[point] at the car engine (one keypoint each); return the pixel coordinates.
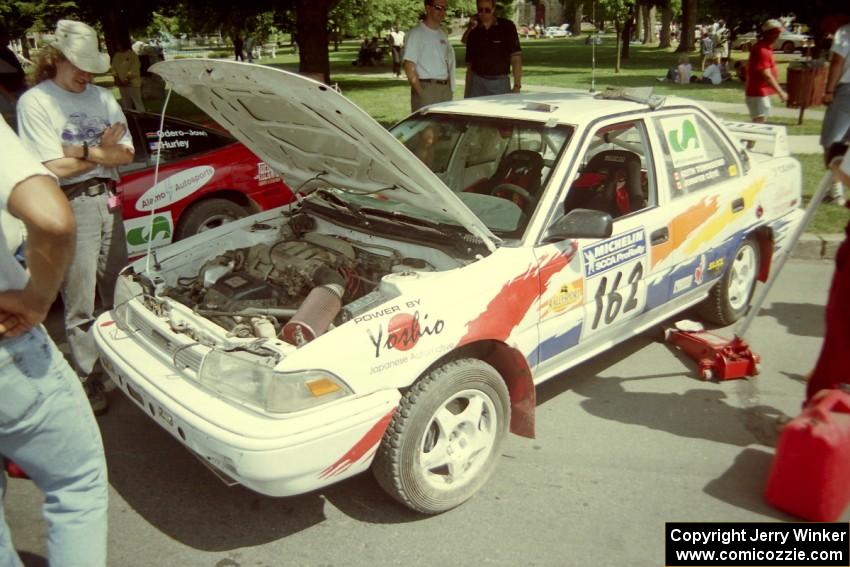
(293, 288)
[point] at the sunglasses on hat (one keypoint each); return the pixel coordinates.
(438, 7)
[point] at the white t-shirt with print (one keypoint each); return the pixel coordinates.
(430, 50)
(50, 117)
(16, 165)
(841, 46)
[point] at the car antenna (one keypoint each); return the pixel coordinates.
(155, 182)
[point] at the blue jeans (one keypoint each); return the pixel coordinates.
(48, 429)
(100, 254)
(836, 123)
(836, 120)
(486, 86)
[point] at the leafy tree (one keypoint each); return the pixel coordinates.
(366, 18)
(622, 13)
(21, 17)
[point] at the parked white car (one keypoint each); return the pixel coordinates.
(557, 31)
(399, 316)
(787, 42)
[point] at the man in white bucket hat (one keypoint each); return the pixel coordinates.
(78, 131)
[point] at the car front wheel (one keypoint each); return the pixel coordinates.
(443, 441)
(208, 214)
(729, 298)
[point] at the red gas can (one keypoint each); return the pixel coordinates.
(810, 476)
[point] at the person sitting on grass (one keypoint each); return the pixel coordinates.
(712, 74)
(684, 69)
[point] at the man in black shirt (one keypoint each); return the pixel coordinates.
(492, 51)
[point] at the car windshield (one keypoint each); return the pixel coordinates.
(499, 168)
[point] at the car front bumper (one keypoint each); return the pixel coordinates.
(277, 456)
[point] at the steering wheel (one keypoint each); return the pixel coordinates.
(515, 189)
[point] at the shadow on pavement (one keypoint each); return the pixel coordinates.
(801, 319)
(169, 487)
(179, 496)
(743, 484)
(698, 413)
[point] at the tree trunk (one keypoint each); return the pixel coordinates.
(312, 25)
(115, 30)
(648, 24)
(640, 27)
(628, 29)
(687, 38)
(618, 29)
(578, 13)
(666, 22)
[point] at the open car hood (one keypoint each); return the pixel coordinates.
(305, 129)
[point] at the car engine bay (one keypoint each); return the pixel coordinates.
(295, 287)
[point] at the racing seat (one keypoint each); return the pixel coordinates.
(610, 182)
(521, 169)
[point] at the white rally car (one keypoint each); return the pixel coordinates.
(399, 316)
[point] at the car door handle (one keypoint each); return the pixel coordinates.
(738, 205)
(660, 236)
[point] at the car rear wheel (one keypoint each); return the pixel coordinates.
(208, 214)
(788, 47)
(729, 298)
(443, 441)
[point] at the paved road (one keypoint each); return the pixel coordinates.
(625, 442)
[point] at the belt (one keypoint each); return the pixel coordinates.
(437, 81)
(89, 187)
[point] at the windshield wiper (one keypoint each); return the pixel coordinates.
(402, 217)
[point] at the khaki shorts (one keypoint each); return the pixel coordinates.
(758, 106)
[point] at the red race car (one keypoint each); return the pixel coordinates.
(206, 178)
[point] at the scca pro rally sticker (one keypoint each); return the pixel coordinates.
(615, 289)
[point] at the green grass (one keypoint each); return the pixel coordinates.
(828, 219)
(809, 127)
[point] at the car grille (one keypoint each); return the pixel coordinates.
(182, 355)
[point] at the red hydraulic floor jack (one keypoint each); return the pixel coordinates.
(719, 358)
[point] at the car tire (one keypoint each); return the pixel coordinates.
(208, 214)
(788, 47)
(445, 438)
(745, 47)
(730, 297)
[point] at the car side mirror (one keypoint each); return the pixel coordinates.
(581, 223)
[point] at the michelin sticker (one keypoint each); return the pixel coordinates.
(683, 139)
(157, 230)
(614, 252)
(615, 289)
(177, 187)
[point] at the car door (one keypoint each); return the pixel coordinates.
(708, 200)
(180, 142)
(593, 301)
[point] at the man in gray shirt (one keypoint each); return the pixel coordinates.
(429, 60)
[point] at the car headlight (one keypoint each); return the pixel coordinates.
(125, 290)
(246, 377)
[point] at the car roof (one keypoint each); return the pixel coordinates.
(575, 108)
